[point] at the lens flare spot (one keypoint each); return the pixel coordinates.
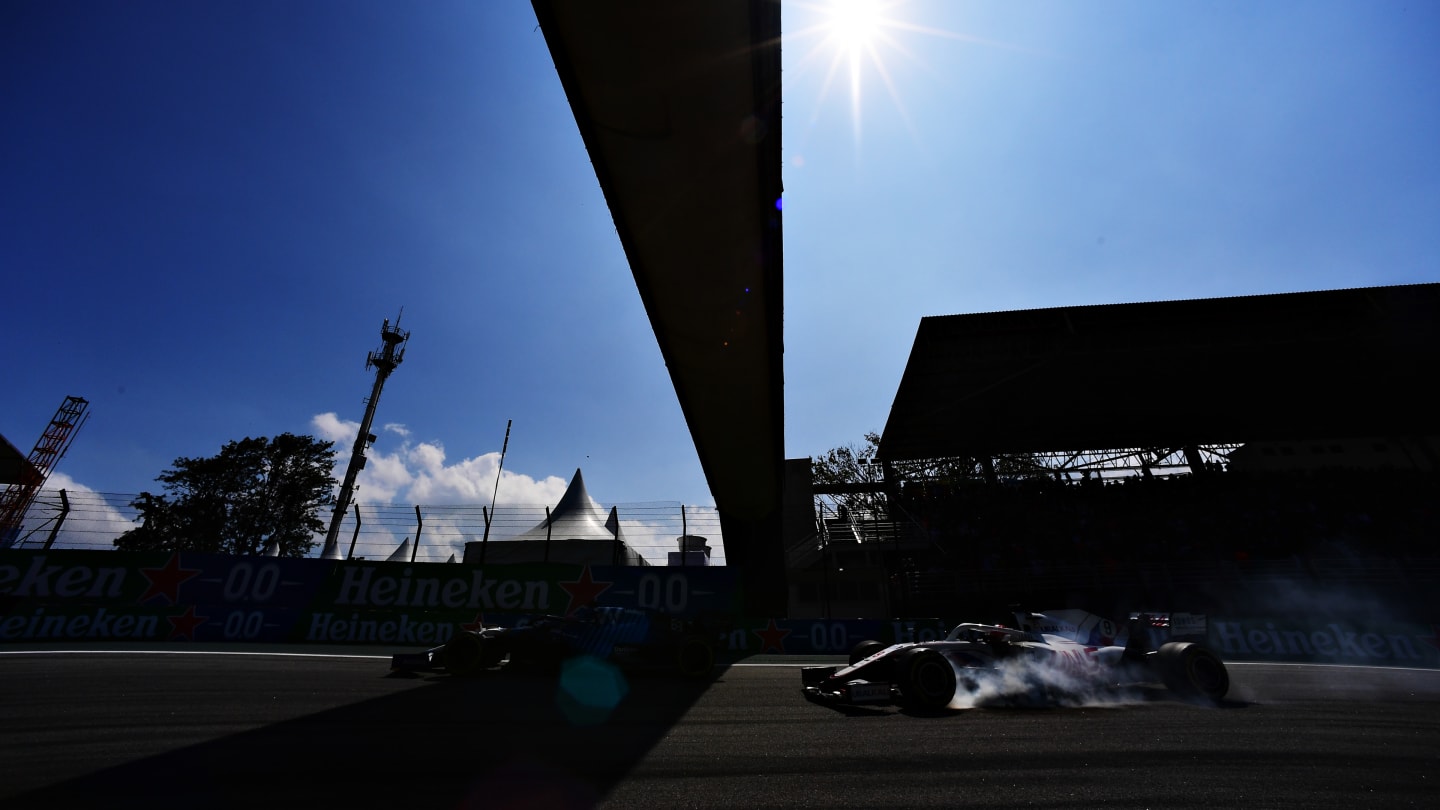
(590, 690)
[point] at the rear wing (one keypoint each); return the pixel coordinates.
(1148, 630)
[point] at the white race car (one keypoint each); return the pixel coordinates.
(1089, 651)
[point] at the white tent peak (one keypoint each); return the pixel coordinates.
(576, 498)
(578, 530)
(401, 554)
(576, 517)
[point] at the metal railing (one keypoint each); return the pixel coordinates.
(1315, 575)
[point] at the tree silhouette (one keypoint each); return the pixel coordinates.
(849, 466)
(253, 493)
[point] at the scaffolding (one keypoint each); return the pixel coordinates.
(54, 442)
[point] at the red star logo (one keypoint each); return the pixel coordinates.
(583, 591)
(183, 626)
(772, 637)
(1433, 641)
(166, 581)
(476, 624)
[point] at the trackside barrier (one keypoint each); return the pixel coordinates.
(1374, 641)
(85, 595)
(182, 596)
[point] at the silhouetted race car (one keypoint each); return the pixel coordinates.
(1046, 653)
(631, 638)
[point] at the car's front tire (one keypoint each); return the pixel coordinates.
(926, 679)
(865, 649)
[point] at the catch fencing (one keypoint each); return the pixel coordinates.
(84, 519)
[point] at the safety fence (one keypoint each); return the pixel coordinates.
(83, 519)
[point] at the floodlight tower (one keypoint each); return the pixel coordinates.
(384, 361)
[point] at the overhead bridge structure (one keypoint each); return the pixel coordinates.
(679, 107)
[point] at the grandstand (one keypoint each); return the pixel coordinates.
(14, 468)
(1148, 453)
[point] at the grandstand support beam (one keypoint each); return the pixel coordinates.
(1194, 460)
(758, 538)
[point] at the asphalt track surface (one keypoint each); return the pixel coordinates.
(125, 729)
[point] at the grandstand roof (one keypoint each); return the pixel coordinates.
(1340, 363)
(14, 466)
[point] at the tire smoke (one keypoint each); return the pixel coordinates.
(1041, 683)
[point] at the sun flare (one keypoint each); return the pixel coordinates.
(855, 42)
(851, 34)
(854, 24)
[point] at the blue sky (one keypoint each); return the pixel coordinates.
(209, 208)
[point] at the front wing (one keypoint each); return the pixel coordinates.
(818, 686)
(428, 661)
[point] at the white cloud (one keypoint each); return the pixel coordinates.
(334, 429)
(418, 472)
(396, 478)
(93, 522)
(384, 478)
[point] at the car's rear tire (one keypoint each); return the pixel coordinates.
(467, 653)
(925, 677)
(865, 649)
(695, 658)
(1192, 671)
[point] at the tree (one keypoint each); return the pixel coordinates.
(850, 478)
(253, 493)
(848, 468)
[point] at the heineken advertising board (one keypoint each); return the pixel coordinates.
(172, 596)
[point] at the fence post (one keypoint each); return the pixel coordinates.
(356, 535)
(59, 519)
(548, 528)
(484, 538)
(615, 557)
(419, 527)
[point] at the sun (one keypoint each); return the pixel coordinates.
(855, 24)
(851, 35)
(852, 40)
